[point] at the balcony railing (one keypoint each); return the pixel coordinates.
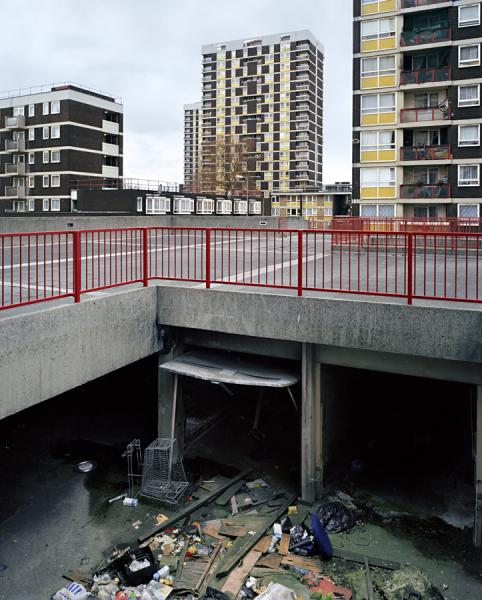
(15, 169)
(17, 122)
(425, 75)
(15, 145)
(15, 191)
(441, 152)
(422, 115)
(414, 38)
(415, 3)
(414, 191)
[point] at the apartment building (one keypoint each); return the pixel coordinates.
(262, 107)
(417, 113)
(192, 146)
(51, 137)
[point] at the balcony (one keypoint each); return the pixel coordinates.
(422, 115)
(302, 156)
(14, 145)
(301, 165)
(110, 149)
(416, 3)
(302, 67)
(108, 171)
(302, 106)
(303, 175)
(300, 97)
(17, 122)
(414, 191)
(425, 152)
(12, 191)
(429, 36)
(419, 76)
(110, 127)
(15, 169)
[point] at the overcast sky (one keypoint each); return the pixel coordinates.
(149, 53)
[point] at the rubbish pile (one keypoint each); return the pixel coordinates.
(240, 539)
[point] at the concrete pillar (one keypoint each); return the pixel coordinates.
(311, 425)
(165, 391)
(478, 468)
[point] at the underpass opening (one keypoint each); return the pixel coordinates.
(401, 444)
(241, 412)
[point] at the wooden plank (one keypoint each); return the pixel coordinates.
(284, 544)
(235, 580)
(226, 496)
(371, 594)
(360, 558)
(213, 531)
(303, 562)
(192, 507)
(233, 530)
(270, 561)
(251, 541)
(263, 544)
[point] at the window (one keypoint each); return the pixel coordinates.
(55, 109)
(45, 133)
(31, 110)
(31, 204)
(377, 177)
(157, 205)
(469, 15)
(224, 207)
(31, 158)
(381, 65)
(45, 181)
(55, 131)
(469, 135)
(425, 211)
(377, 210)
(468, 175)
(55, 156)
(31, 135)
(45, 204)
(377, 140)
(139, 203)
(55, 204)
(426, 100)
(18, 111)
(377, 103)
(468, 211)
(45, 108)
(31, 181)
(45, 156)
(469, 95)
(377, 28)
(240, 207)
(183, 205)
(55, 181)
(469, 56)
(205, 206)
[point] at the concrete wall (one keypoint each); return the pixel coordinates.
(45, 353)
(76, 221)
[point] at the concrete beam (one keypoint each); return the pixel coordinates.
(45, 353)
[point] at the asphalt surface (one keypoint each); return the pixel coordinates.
(32, 269)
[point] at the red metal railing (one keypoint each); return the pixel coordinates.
(429, 191)
(409, 224)
(412, 38)
(441, 152)
(416, 115)
(352, 259)
(431, 75)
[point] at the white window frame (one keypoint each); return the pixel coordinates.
(31, 158)
(183, 206)
(19, 111)
(378, 182)
(31, 134)
(55, 107)
(205, 206)
(463, 64)
(377, 147)
(45, 108)
(53, 154)
(55, 204)
(378, 72)
(45, 157)
(45, 179)
(31, 110)
(45, 133)
(31, 181)
(468, 182)
(45, 204)
(224, 207)
(139, 204)
(461, 104)
(469, 23)
(157, 205)
(54, 130)
(378, 35)
(55, 181)
(377, 210)
(31, 204)
(240, 207)
(477, 207)
(476, 141)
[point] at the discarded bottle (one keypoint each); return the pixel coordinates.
(161, 574)
(130, 502)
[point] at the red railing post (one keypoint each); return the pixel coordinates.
(208, 258)
(300, 262)
(145, 256)
(77, 282)
(409, 267)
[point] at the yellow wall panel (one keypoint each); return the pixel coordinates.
(387, 192)
(387, 118)
(369, 9)
(369, 119)
(369, 82)
(387, 43)
(387, 155)
(377, 192)
(369, 155)
(387, 5)
(387, 81)
(369, 46)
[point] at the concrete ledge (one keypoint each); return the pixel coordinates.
(441, 333)
(48, 352)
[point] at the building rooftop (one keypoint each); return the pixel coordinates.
(55, 87)
(294, 36)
